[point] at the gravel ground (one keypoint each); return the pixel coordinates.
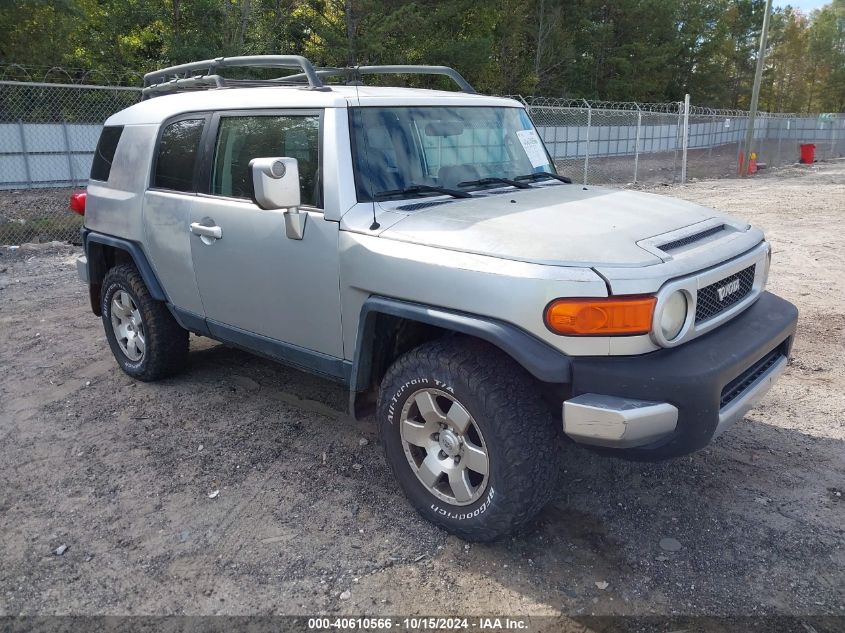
(308, 519)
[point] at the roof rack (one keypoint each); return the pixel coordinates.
(187, 77)
(177, 78)
(353, 74)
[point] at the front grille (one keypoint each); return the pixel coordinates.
(738, 385)
(710, 303)
(689, 239)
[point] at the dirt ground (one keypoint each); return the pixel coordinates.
(308, 519)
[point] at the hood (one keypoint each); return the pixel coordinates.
(565, 225)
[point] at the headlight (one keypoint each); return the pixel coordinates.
(674, 315)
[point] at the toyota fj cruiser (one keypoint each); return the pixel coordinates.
(420, 247)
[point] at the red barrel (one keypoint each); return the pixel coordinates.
(808, 153)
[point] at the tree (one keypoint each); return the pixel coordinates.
(548, 17)
(37, 33)
(785, 79)
(826, 52)
(644, 50)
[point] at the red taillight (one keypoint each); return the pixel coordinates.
(77, 202)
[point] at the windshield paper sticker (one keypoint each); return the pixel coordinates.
(533, 147)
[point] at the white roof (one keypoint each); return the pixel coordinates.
(158, 109)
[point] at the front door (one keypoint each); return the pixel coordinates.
(253, 279)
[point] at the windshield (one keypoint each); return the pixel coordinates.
(404, 152)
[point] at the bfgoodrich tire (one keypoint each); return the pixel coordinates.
(468, 437)
(144, 337)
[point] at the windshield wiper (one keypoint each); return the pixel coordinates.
(543, 175)
(412, 189)
(494, 180)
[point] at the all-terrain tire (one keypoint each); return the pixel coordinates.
(518, 431)
(165, 342)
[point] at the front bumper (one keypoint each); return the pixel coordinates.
(674, 401)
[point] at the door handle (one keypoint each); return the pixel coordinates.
(214, 232)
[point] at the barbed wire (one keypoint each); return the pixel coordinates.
(672, 107)
(622, 106)
(10, 71)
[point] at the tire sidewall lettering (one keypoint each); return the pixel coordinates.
(107, 296)
(399, 395)
(465, 516)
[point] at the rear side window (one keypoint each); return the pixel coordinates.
(177, 155)
(104, 154)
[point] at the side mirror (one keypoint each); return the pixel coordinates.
(275, 183)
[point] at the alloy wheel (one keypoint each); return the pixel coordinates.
(444, 446)
(128, 326)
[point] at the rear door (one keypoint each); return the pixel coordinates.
(167, 209)
(256, 284)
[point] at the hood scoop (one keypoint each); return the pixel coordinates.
(675, 244)
(692, 239)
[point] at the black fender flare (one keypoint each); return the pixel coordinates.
(97, 265)
(537, 357)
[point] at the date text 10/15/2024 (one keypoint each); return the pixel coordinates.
(419, 623)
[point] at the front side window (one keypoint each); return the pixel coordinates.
(177, 155)
(242, 138)
(398, 148)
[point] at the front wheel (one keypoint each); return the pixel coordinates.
(468, 437)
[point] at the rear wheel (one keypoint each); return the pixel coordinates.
(145, 339)
(468, 437)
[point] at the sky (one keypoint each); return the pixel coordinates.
(804, 5)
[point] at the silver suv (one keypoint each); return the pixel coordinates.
(419, 247)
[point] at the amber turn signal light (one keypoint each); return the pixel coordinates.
(612, 316)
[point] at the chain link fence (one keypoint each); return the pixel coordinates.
(48, 134)
(628, 143)
(49, 131)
